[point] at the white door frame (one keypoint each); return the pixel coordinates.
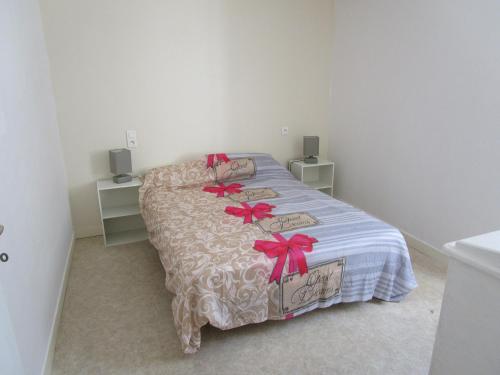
(10, 360)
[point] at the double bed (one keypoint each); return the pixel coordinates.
(230, 266)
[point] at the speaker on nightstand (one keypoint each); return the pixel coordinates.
(120, 164)
(311, 149)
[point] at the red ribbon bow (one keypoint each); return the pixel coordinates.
(260, 211)
(293, 248)
(221, 189)
(213, 158)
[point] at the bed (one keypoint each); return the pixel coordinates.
(227, 267)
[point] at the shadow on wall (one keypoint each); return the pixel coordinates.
(99, 163)
(84, 197)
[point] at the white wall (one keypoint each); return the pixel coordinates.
(416, 113)
(34, 203)
(190, 76)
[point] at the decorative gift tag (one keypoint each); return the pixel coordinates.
(235, 169)
(283, 223)
(255, 194)
(320, 284)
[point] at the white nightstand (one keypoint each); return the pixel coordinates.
(318, 176)
(120, 215)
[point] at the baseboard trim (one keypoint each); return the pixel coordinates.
(425, 248)
(49, 357)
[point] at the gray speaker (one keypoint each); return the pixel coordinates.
(311, 149)
(120, 164)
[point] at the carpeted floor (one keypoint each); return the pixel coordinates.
(117, 320)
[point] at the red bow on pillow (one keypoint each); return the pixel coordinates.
(213, 159)
(221, 189)
(260, 211)
(294, 249)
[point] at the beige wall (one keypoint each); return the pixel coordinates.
(416, 115)
(190, 76)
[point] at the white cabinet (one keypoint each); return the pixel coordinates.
(319, 176)
(120, 214)
(468, 335)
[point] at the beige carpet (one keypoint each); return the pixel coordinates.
(117, 320)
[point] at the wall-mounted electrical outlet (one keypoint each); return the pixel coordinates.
(131, 139)
(284, 131)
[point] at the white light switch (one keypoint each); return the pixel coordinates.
(284, 131)
(131, 139)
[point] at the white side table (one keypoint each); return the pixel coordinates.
(319, 176)
(120, 214)
(468, 333)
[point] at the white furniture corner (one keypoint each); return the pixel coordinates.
(318, 176)
(468, 334)
(120, 214)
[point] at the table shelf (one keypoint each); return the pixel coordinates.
(120, 212)
(318, 176)
(128, 236)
